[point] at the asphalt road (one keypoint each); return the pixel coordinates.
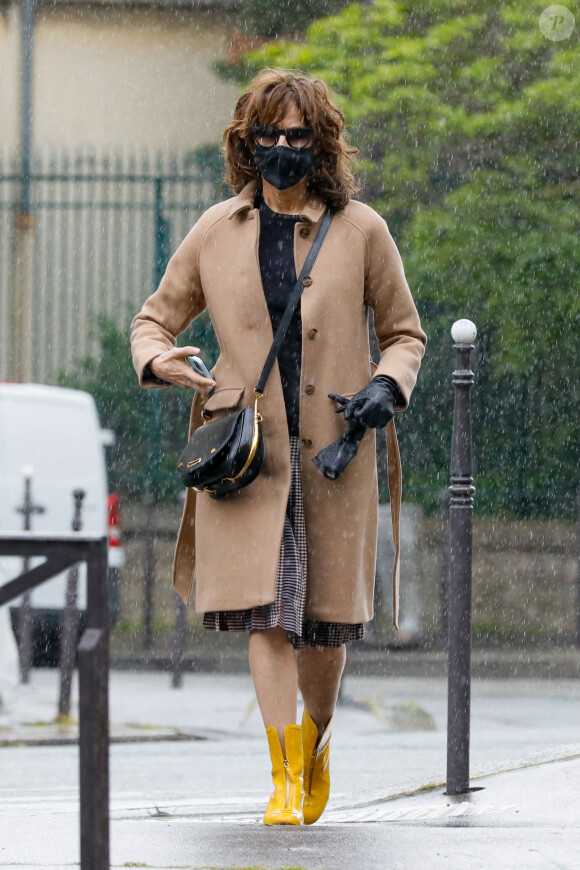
(197, 802)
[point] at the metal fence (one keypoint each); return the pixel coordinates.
(102, 228)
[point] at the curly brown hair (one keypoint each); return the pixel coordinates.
(266, 101)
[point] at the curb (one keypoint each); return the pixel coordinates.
(485, 664)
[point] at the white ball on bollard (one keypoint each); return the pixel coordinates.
(463, 331)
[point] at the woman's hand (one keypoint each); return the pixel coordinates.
(374, 406)
(172, 368)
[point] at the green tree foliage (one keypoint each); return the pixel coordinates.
(273, 19)
(467, 120)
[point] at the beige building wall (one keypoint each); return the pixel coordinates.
(118, 77)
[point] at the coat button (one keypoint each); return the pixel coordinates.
(306, 442)
(312, 333)
(307, 281)
(304, 232)
(309, 389)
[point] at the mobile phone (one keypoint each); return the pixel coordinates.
(199, 366)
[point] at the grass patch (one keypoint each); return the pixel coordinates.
(495, 631)
(135, 626)
(65, 719)
(411, 717)
(159, 814)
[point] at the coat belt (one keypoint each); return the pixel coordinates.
(395, 477)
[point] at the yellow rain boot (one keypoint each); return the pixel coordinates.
(316, 768)
(285, 806)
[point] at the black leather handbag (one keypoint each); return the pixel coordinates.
(227, 454)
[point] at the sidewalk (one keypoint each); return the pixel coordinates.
(196, 800)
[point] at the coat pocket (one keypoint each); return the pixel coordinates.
(223, 400)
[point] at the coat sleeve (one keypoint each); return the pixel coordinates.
(178, 300)
(400, 337)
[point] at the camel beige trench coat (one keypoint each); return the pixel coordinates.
(231, 546)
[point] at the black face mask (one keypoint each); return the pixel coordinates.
(283, 167)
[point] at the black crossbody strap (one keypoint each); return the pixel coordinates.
(293, 301)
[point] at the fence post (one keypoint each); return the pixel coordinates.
(70, 622)
(178, 643)
(149, 570)
(161, 257)
(22, 308)
(460, 566)
(162, 236)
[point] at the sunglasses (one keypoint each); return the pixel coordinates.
(296, 137)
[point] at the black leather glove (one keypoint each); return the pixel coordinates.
(332, 460)
(372, 407)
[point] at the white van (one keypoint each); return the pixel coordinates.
(53, 436)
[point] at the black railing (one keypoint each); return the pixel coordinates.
(60, 553)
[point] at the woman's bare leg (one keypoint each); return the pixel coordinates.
(319, 672)
(273, 667)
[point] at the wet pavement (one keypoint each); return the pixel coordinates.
(192, 792)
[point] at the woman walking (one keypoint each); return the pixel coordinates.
(291, 557)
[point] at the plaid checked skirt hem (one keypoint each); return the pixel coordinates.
(287, 611)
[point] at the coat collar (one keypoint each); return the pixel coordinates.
(244, 201)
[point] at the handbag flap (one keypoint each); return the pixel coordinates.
(213, 451)
(209, 440)
(222, 399)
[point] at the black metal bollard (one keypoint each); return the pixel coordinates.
(70, 622)
(460, 566)
(28, 509)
